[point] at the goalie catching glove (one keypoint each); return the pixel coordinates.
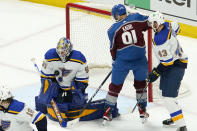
(153, 75)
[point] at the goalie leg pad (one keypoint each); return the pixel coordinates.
(99, 107)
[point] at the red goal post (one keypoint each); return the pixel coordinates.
(89, 9)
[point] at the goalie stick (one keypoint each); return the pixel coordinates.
(58, 115)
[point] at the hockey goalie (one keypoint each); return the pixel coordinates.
(64, 79)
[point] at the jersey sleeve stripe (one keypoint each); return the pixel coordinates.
(178, 30)
(47, 75)
(13, 112)
(169, 34)
(84, 80)
(54, 59)
(75, 60)
(38, 117)
(154, 42)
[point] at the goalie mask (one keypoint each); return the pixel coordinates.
(64, 48)
(5, 93)
(156, 17)
(117, 11)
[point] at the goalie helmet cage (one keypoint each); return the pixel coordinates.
(106, 13)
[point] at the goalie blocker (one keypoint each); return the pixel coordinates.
(70, 105)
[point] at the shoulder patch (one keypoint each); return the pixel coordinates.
(51, 55)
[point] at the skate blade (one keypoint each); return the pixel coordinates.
(144, 121)
(104, 122)
(169, 126)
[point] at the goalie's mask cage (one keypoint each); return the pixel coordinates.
(86, 27)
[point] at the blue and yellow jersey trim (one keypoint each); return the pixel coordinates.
(42, 74)
(178, 30)
(167, 62)
(51, 55)
(53, 59)
(78, 57)
(184, 60)
(15, 107)
(78, 61)
(177, 115)
(65, 88)
(164, 35)
(38, 117)
(84, 80)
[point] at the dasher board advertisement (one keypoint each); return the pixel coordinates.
(181, 8)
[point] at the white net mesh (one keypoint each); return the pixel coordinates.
(88, 33)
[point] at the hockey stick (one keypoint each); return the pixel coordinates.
(140, 97)
(58, 114)
(33, 60)
(55, 108)
(84, 107)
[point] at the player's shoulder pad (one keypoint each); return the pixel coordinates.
(51, 55)
(164, 35)
(137, 17)
(78, 57)
(141, 17)
(16, 107)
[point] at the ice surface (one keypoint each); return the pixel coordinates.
(27, 30)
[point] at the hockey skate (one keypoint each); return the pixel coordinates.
(168, 122)
(183, 128)
(107, 115)
(143, 115)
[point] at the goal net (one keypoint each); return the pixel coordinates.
(86, 27)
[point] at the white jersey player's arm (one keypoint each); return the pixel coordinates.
(30, 115)
(82, 74)
(47, 69)
(176, 27)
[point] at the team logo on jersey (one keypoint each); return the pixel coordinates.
(5, 125)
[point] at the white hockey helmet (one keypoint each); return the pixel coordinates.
(156, 17)
(5, 93)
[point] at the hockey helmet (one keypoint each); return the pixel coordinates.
(156, 17)
(64, 48)
(117, 11)
(5, 93)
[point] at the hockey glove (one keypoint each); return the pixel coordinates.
(153, 75)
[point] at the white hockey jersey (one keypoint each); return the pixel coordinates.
(18, 117)
(74, 69)
(166, 46)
